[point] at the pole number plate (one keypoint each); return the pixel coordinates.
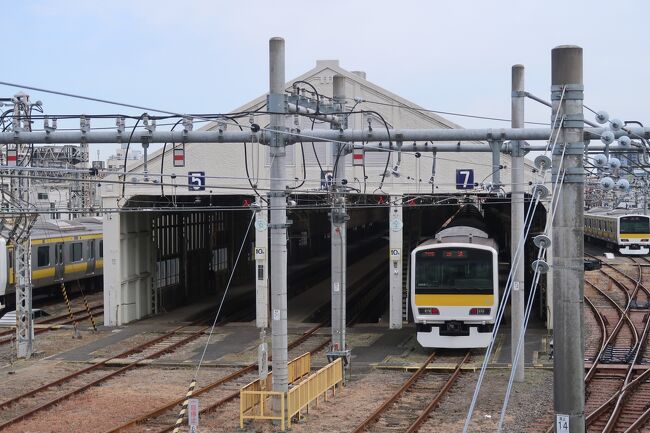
(196, 180)
(562, 423)
(465, 178)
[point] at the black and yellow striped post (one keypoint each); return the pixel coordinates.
(64, 292)
(183, 412)
(92, 319)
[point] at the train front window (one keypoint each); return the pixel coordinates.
(453, 270)
(634, 225)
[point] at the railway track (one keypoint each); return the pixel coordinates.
(410, 406)
(213, 395)
(48, 395)
(219, 392)
(616, 382)
(55, 322)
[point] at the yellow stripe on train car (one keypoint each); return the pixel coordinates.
(43, 273)
(76, 267)
(636, 236)
(99, 263)
(95, 236)
(453, 300)
(52, 240)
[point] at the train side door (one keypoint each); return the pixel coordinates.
(91, 257)
(58, 261)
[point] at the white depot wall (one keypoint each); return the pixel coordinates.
(223, 164)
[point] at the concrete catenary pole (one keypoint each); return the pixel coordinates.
(517, 218)
(278, 226)
(568, 240)
(338, 227)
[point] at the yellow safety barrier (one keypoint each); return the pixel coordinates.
(311, 389)
(299, 367)
(254, 398)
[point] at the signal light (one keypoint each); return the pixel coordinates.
(430, 311)
(479, 311)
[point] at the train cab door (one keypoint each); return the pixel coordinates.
(90, 270)
(59, 266)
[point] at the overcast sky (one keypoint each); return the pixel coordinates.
(212, 56)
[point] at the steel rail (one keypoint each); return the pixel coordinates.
(51, 319)
(49, 327)
(90, 368)
(235, 394)
(250, 367)
(415, 426)
(623, 317)
(359, 286)
(381, 409)
(88, 385)
(618, 408)
(603, 336)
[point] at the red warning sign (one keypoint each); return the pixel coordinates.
(179, 157)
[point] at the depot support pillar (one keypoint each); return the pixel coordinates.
(568, 235)
(395, 240)
(278, 226)
(517, 219)
(338, 227)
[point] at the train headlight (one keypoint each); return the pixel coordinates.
(479, 311)
(429, 311)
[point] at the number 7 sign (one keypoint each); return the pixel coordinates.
(465, 178)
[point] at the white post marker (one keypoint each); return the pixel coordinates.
(562, 423)
(193, 414)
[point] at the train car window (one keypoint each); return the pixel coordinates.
(43, 256)
(635, 225)
(76, 252)
(91, 250)
(101, 248)
(454, 270)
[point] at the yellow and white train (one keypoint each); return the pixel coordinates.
(455, 284)
(628, 233)
(62, 252)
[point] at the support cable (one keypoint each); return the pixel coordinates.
(508, 287)
(533, 289)
(193, 382)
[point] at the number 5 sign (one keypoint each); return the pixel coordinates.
(465, 178)
(196, 180)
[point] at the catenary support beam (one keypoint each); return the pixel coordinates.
(265, 136)
(517, 219)
(568, 241)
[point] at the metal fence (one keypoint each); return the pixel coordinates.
(256, 398)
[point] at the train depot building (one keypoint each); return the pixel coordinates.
(198, 196)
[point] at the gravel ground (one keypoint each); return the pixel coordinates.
(48, 344)
(116, 401)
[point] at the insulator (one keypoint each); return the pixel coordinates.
(542, 162)
(542, 241)
(602, 117)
